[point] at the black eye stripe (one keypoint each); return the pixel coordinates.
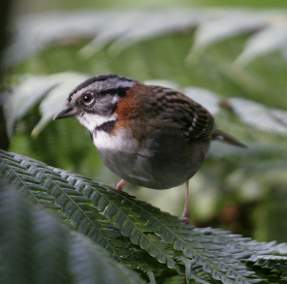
(120, 91)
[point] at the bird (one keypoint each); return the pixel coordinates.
(150, 136)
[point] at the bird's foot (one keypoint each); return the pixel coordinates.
(185, 214)
(185, 217)
(121, 185)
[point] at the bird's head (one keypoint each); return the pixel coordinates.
(94, 102)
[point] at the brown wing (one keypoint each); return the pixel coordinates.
(171, 107)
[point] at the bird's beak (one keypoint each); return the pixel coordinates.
(69, 111)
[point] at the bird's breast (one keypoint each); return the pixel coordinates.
(119, 140)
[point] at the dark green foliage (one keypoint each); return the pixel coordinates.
(139, 235)
(36, 248)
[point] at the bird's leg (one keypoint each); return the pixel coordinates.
(120, 185)
(185, 214)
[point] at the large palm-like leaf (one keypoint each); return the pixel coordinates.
(267, 29)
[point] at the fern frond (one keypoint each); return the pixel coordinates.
(111, 206)
(204, 253)
(46, 187)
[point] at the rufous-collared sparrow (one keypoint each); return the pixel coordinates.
(148, 135)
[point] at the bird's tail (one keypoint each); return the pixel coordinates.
(226, 138)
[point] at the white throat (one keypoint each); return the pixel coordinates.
(91, 121)
(121, 140)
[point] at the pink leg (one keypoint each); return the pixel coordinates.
(185, 214)
(120, 185)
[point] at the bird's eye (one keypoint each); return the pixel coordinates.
(88, 99)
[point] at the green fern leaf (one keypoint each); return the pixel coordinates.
(45, 187)
(204, 253)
